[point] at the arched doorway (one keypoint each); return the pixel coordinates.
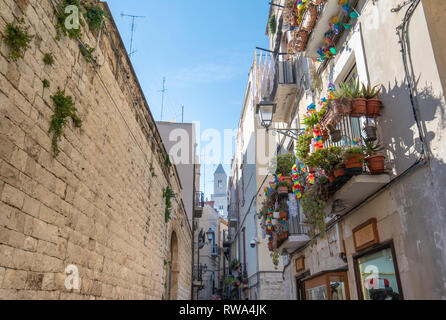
(174, 270)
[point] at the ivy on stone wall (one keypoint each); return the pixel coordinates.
(168, 194)
(17, 39)
(64, 108)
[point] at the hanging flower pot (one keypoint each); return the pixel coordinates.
(370, 133)
(335, 135)
(282, 190)
(376, 163)
(359, 107)
(373, 107)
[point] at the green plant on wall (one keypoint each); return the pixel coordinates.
(94, 16)
(285, 163)
(167, 162)
(48, 59)
(63, 109)
(272, 24)
(46, 83)
(168, 194)
(62, 17)
(275, 258)
(313, 209)
(86, 51)
(18, 40)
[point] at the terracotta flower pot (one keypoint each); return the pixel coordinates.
(338, 172)
(373, 108)
(287, 179)
(285, 235)
(359, 107)
(282, 190)
(356, 161)
(376, 163)
(283, 215)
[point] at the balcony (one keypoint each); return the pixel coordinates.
(286, 90)
(198, 204)
(297, 236)
(357, 189)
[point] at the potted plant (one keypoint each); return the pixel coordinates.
(283, 208)
(282, 188)
(354, 158)
(276, 214)
(338, 170)
(359, 103)
(341, 102)
(375, 161)
(284, 166)
(373, 107)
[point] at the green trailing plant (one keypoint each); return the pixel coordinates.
(303, 146)
(63, 109)
(275, 258)
(370, 92)
(313, 209)
(62, 17)
(168, 194)
(48, 59)
(272, 24)
(18, 40)
(87, 52)
(167, 162)
(230, 280)
(94, 16)
(46, 83)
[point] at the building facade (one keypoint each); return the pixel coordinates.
(384, 232)
(220, 191)
(97, 210)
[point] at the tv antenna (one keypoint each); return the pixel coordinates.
(162, 97)
(131, 52)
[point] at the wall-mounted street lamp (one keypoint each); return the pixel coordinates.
(210, 235)
(265, 110)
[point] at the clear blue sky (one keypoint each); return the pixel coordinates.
(204, 48)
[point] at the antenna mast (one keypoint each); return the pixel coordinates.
(162, 97)
(131, 52)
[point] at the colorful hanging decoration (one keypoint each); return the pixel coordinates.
(336, 27)
(356, 142)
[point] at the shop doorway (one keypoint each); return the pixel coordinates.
(300, 287)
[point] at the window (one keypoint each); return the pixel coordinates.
(330, 285)
(220, 184)
(377, 274)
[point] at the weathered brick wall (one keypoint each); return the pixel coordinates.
(97, 205)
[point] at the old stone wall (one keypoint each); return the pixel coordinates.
(99, 205)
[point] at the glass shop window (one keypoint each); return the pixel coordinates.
(328, 286)
(379, 280)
